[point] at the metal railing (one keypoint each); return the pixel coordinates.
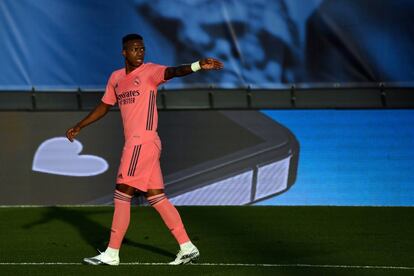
(213, 98)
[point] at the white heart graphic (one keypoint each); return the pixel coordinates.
(59, 156)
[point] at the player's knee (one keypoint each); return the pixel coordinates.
(153, 192)
(125, 189)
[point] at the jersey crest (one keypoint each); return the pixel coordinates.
(137, 81)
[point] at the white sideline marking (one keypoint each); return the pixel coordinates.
(253, 206)
(237, 264)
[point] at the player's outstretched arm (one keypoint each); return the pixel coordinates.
(186, 69)
(100, 110)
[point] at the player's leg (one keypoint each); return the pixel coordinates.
(122, 210)
(120, 222)
(172, 219)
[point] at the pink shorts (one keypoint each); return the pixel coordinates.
(140, 166)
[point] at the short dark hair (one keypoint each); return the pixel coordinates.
(130, 37)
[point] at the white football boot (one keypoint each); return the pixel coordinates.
(186, 256)
(102, 259)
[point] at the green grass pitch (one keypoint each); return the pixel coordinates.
(232, 241)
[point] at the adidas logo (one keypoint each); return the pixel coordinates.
(187, 256)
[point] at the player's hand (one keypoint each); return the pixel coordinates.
(211, 64)
(72, 132)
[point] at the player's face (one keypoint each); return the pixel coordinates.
(134, 52)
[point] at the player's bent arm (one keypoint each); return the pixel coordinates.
(97, 113)
(186, 69)
(178, 71)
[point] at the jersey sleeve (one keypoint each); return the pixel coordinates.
(110, 97)
(158, 73)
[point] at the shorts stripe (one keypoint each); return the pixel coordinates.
(134, 160)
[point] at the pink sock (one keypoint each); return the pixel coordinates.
(170, 216)
(120, 221)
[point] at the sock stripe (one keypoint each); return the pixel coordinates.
(121, 196)
(155, 196)
(154, 201)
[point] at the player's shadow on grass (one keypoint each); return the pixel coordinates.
(93, 232)
(258, 234)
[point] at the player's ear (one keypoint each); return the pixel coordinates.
(124, 53)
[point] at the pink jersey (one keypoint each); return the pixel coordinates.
(136, 96)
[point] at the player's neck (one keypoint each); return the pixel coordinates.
(129, 68)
